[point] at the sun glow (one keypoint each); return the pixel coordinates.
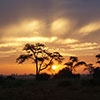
(54, 67)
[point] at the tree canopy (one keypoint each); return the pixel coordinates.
(39, 54)
(73, 63)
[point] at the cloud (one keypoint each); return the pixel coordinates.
(90, 28)
(67, 24)
(84, 46)
(29, 28)
(66, 41)
(6, 50)
(61, 26)
(20, 40)
(14, 11)
(50, 11)
(79, 49)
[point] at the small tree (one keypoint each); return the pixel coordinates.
(40, 56)
(98, 58)
(90, 68)
(96, 73)
(73, 63)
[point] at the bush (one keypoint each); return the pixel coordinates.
(64, 73)
(10, 78)
(96, 74)
(1, 78)
(43, 76)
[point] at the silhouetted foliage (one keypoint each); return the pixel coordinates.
(73, 59)
(98, 62)
(1, 78)
(43, 76)
(96, 73)
(73, 63)
(39, 55)
(64, 73)
(98, 58)
(76, 75)
(90, 68)
(10, 78)
(80, 63)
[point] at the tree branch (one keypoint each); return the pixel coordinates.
(46, 65)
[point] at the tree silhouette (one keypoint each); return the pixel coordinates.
(39, 55)
(64, 73)
(90, 68)
(98, 58)
(73, 63)
(96, 73)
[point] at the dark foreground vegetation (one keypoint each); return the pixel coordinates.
(62, 86)
(52, 89)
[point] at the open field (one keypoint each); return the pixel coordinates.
(71, 89)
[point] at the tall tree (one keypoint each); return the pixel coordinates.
(73, 63)
(39, 55)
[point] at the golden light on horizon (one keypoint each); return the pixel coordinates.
(54, 67)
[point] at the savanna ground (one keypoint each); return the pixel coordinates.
(62, 89)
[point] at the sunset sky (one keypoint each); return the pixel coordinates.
(71, 27)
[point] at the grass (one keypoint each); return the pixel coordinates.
(67, 89)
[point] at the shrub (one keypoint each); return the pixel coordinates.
(1, 78)
(96, 74)
(10, 78)
(43, 76)
(64, 73)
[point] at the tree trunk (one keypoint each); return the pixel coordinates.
(37, 70)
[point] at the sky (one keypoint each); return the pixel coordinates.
(71, 27)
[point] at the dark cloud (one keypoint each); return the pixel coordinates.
(15, 10)
(81, 11)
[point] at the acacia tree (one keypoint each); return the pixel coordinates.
(39, 55)
(90, 68)
(73, 63)
(98, 58)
